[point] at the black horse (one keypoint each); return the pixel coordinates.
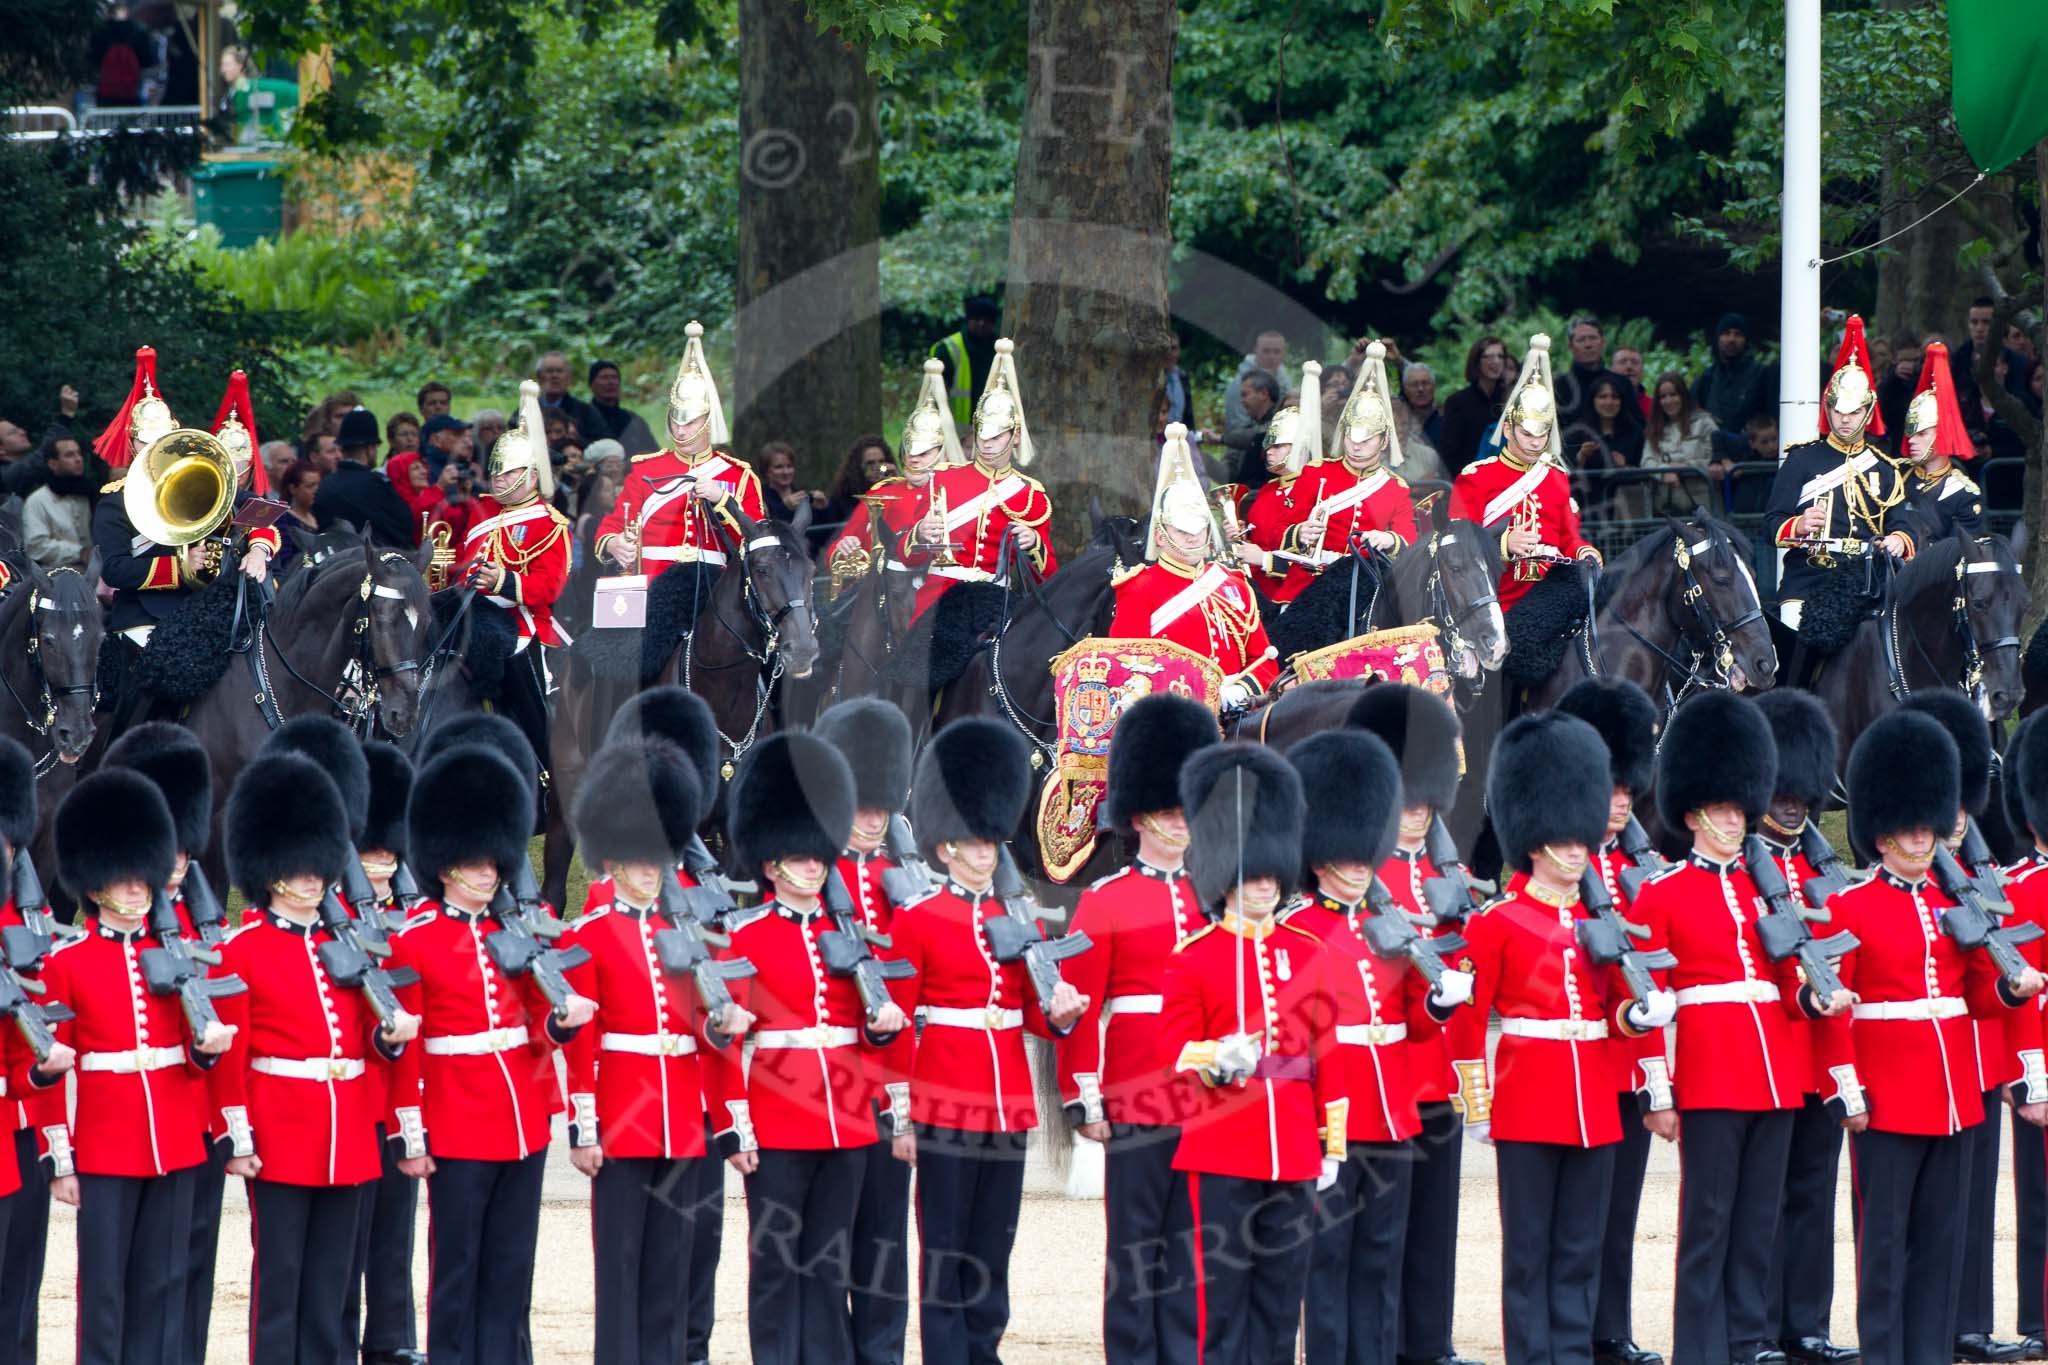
(752, 626)
(51, 628)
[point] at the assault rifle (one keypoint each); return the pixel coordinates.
(684, 948)
(202, 907)
(364, 904)
(1450, 896)
(1985, 874)
(1017, 936)
(1829, 877)
(1974, 925)
(1392, 935)
(1647, 861)
(848, 950)
(525, 929)
(405, 889)
(33, 905)
(176, 967)
(1784, 931)
(911, 880)
(352, 955)
(23, 946)
(1605, 937)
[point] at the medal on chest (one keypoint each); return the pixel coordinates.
(1283, 965)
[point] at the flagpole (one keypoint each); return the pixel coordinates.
(1799, 233)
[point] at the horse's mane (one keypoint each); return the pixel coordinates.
(1933, 567)
(299, 586)
(1488, 543)
(1624, 566)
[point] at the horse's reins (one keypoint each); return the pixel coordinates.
(1715, 647)
(768, 657)
(48, 694)
(359, 674)
(1972, 680)
(1440, 608)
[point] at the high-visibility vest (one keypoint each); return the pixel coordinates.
(953, 350)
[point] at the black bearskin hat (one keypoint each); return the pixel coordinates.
(1626, 720)
(638, 803)
(1549, 783)
(391, 775)
(1718, 747)
(1146, 750)
(339, 753)
(467, 804)
(1966, 725)
(1245, 812)
(973, 782)
(114, 825)
(17, 794)
(2026, 772)
(487, 730)
(1422, 731)
(172, 757)
(684, 719)
(1903, 773)
(284, 818)
(1353, 789)
(1807, 744)
(874, 738)
(791, 798)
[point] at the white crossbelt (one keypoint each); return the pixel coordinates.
(987, 500)
(1729, 993)
(1556, 1030)
(1371, 1035)
(673, 553)
(819, 1036)
(992, 1020)
(962, 574)
(483, 1044)
(1188, 598)
(1512, 495)
(309, 1068)
(648, 1044)
(1946, 1007)
(133, 1060)
(1848, 469)
(1132, 1004)
(1352, 496)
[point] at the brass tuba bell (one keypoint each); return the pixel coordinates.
(181, 489)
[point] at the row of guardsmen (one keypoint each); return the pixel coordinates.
(1281, 1066)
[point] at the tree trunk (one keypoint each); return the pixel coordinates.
(2035, 489)
(1921, 284)
(1089, 241)
(808, 368)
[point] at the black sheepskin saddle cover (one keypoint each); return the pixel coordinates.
(484, 643)
(1541, 625)
(188, 651)
(638, 656)
(1316, 618)
(940, 644)
(1835, 608)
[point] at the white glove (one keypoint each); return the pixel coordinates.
(1237, 1056)
(1453, 990)
(1331, 1165)
(1236, 696)
(1480, 1132)
(1660, 1009)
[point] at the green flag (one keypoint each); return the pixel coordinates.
(1998, 52)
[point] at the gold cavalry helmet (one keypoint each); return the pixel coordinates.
(524, 445)
(144, 419)
(695, 392)
(1533, 404)
(1369, 411)
(1178, 498)
(1001, 407)
(930, 426)
(1299, 426)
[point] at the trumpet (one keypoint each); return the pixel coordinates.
(1821, 550)
(942, 552)
(1528, 569)
(443, 560)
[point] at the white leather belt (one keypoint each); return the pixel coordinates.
(1729, 993)
(683, 554)
(133, 1060)
(1372, 1035)
(648, 1044)
(1946, 1007)
(1556, 1030)
(309, 1068)
(476, 1044)
(962, 574)
(819, 1036)
(1132, 1004)
(989, 1019)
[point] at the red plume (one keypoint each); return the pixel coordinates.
(1951, 437)
(1854, 348)
(235, 403)
(114, 444)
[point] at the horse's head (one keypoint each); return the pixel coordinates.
(1465, 594)
(1725, 618)
(1125, 535)
(1993, 593)
(398, 619)
(65, 629)
(776, 569)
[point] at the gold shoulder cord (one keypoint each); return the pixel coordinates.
(1870, 509)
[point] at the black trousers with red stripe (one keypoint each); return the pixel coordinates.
(2030, 1209)
(800, 1205)
(640, 1237)
(707, 1232)
(483, 1226)
(970, 1187)
(134, 1238)
(1732, 1164)
(1973, 1284)
(1248, 1258)
(27, 1219)
(1429, 1253)
(1910, 1192)
(209, 1184)
(305, 1238)
(380, 1292)
(1553, 1213)
(1148, 1315)
(1354, 1269)
(1803, 1262)
(1613, 1316)
(881, 1259)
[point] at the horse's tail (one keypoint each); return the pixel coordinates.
(1055, 1129)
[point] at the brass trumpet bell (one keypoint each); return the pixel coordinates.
(181, 488)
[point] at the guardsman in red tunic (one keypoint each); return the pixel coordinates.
(1802, 1293)
(1737, 1070)
(1357, 497)
(2026, 886)
(1549, 1109)
(975, 507)
(1294, 447)
(1423, 733)
(889, 512)
(795, 1112)
(1523, 493)
(1627, 722)
(1353, 786)
(467, 1101)
(636, 1091)
(874, 738)
(1910, 1049)
(971, 1101)
(687, 504)
(1189, 591)
(1115, 1089)
(138, 1130)
(296, 1093)
(1249, 1032)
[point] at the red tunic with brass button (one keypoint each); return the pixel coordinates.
(1527, 965)
(141, 1090)
(981, 507)
(476, 1065)
(1277, 1126)
(1209, 609)
(1803, 1042)
(661, 496)
(802, 1073)
(27, 1106)
(1626, 1052)
(1282, 504)
(1491, 491)
(1736, 1007)
(862, 873)
(1134, 920)
(899, 505)
(1917, 1070)
(1383, 505)
(317, 1125)
(531, 543)
(970, 1070)
(2026, 887)
(1429, 1056)
(633, 1071)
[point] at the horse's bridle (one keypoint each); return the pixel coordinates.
(1454, 641)
(41, 723)
(1972, 681)
(768, 657)
(1707, 634)
(354, 695)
